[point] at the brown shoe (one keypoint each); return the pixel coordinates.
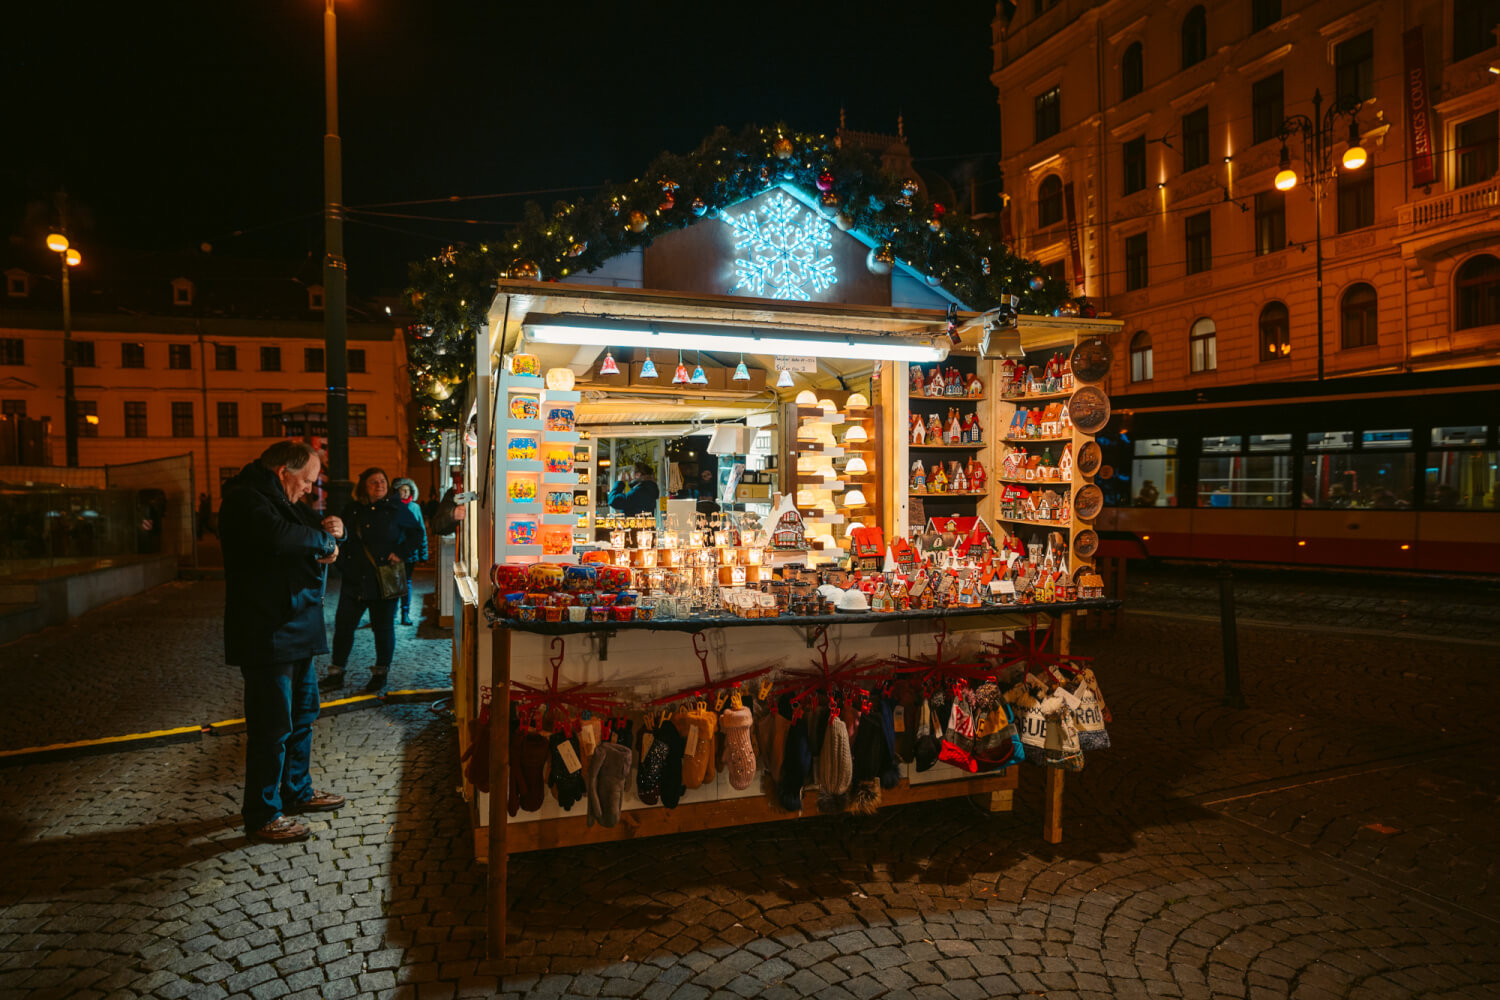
(281, 830)
(318, 802)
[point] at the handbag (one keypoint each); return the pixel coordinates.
(390, 577)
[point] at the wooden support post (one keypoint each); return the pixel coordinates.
(499, 785)
(1052, 795)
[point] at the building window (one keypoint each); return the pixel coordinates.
(1132, 71)
(1140, 357)
(12, 407)
(270, 359)
(17, 284)
(1203, 352)
(179, 356)
(229, 419)
(1195, 139)
(359, 423)
(1356, 190)
(1267, 110)
(132, 355)
(1264, 13)
(1136, 265)
(1048, 114)
(1134, 159)
(226, 357)
(1200, 245)
(1270, 222)
(315, 297)
(1354, 67)
(1275, 332)
(135, 419)
(182, 420)
(83, 353)
(182, 292)
(1194, 37)
(1477, 289)
(1358, 311)
(87, 414)
(1474, 26)
(1049, 201)
(1475, 149)
(270, 420)
(12, 351)
(1038, 7)
(356, 361)
(1056, 271)
(312, 359)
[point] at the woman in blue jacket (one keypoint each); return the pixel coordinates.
(378, 528)
(409, 495)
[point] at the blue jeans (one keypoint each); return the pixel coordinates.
(352, 608)
(406, 597)
(281, 704)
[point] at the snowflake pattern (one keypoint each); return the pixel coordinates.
(784, 255)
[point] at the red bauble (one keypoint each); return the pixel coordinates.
(825, 180)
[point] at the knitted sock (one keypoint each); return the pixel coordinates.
(534, 753)
(795, 763)
(671, 770)
(566, 774)
(739, 754)
(608, 769)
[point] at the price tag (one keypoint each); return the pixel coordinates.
(569, 757)
(588, 739)
(692, 742)
(900, 718)
(1070, 699)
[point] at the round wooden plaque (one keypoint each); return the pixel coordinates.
(1090, 458)
(1089, 408)
(1091, 359)
(1085, 543)
(1088, 502)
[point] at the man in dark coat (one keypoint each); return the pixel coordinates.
(275, 558)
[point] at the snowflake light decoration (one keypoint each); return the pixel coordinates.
(784, 254)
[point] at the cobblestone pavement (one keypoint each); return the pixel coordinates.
(1334, 839)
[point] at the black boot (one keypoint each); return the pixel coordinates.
(377, 682)
(405, 618)
(333, 681)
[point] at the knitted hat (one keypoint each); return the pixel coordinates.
(608, 768)
(835, 767)
(739, 754)
(795, 763)
(566, 773)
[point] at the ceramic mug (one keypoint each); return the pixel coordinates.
(577, 614)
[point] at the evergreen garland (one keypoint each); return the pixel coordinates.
(453, 290)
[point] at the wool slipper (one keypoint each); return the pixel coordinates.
(608, 769)
(566, 773)
(739, 754)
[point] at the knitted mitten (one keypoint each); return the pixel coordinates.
(739, 754)
(566, 774)
(608, 769)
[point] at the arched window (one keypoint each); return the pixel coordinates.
(1140, 357)
(1132, 72)
(1476, 291)
(1203, 351)
(1049, 201)
(1358, 313)
(1275, 332)
(1194, 37)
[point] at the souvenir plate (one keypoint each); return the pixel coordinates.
(1090, 458)
(1085, 543)
(1088, 502)
(1089, 409)
(1091, 359)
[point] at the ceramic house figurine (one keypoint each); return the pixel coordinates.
(960, 481)
(1051, 425)
(918, 477)
(975, 387)
(1067, 375)
(918, 429)
(788, 531)
(955, 429)
(976, 476)
(935, 382)
(1012, 464)
(1065, 421)
(1065, 464)
(955, 385)
(917, 385)
(935, 429)
(1034, 422)
(1007, 372)
(1017, 429)
(939, 481)
(974, 428)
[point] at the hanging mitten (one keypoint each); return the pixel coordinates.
(890, 774)
(835, 767)
(781, 724)
(653, 762)
(795, 763)
(608, 769)
(697, 728)
(535, 750)
(870, 754)
(671, 771)
(566, 773)
(739, 754)
(476, 759)
(927, 746)
(590, 734)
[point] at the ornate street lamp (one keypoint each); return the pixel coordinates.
(58, 244)
(1317, 157)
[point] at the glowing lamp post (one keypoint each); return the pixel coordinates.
(1317, 155)
(58, 244)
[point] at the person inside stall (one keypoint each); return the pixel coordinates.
(706, 489)
(636, 491)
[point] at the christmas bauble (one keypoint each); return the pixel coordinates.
(436, 388)
(667, 204)
(934, 280)
(638, 221)
(825, 180)
(525, 270)
(935, 224)
(880, 259)
(577, 248)
(698, 207)
(843, 220)
(1036, 282)
(1068, 309)
(830, 200)
(782, 147)
(909, 188)
(984, 266)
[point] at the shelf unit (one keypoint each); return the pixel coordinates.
(838, 455)
(525, 530)
(922, 506)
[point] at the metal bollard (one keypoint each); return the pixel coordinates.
(1233, 698)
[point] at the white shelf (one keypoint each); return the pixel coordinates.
(564, 395)
(523, 383)
(516, 424)
(528, 465)
(571, 520)
(561, 437)
(560, 479)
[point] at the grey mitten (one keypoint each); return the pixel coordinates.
(608, 768)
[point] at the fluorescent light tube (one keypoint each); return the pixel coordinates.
(683, 338)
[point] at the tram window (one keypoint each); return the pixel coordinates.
(1358, 480)
(1329, 440)
(1457, 437)
(1245, 481)
(1387, 439)
(1153, 470)
(1270, 442)
(1216, 445)
(1461, 480)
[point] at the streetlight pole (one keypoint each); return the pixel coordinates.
(1317, 158)
(58, 243)
(335, 277)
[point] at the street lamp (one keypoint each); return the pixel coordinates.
(335, 276)
(58, 244)
(1317, 157)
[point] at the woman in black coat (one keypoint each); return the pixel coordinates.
(378, 529)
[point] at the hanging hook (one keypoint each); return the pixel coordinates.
(702, 651)
(822, 641)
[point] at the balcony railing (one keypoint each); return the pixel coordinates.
(1449, 206)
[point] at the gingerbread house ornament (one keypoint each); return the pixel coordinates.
(1065, 464)
(1051, 424)
(788, 531)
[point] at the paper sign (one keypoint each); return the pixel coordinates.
(569, 758)
(900, 718)
(692, 742)
(588, 739)
(791, 364)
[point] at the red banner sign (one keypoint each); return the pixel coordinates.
(1418, 111)
(1073, 244)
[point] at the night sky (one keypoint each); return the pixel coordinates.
(174, 124)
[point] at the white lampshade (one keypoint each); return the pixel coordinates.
(856, 466)
(807, 398)
(857, 401)
(828, 405)
(826, 471)
(805, 499)
(560, 379)
(823, 433)
(854, 498)
(856, 433)
(807, 433)
(805, 463)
